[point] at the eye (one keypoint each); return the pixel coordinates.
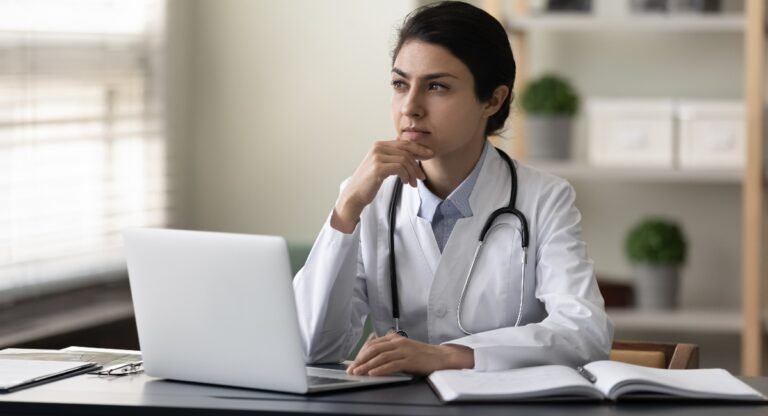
(436, 86)
(398, 84)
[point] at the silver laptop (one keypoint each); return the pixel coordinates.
(219, 308)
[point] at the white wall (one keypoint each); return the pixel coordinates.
(287, 97)
(179, 101)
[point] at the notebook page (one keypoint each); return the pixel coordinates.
(523, 383)
(616, 378)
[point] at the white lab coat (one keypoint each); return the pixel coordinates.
(346, 278)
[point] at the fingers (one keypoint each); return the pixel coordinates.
(384, 170)
(384, 364)
(391, 367)
(419, 151)
(357, 359)
(406, 154)
(393, 353)
(405, 166)
(413, 168)
(372, 347)
(386, 158)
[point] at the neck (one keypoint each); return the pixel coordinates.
(446, 172)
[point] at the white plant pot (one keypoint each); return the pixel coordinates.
(656, 286)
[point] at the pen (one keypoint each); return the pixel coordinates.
(586, 374)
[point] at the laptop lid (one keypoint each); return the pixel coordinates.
(216, 308)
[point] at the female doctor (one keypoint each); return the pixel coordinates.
(448, 304)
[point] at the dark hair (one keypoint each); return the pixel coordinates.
(473, 36)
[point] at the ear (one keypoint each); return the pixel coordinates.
(497, 99)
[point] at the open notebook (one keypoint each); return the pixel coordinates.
(599, 380)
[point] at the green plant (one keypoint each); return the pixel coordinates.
(656, 241)
(550, 95)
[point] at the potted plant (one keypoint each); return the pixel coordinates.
(656, 248)
(550, 103)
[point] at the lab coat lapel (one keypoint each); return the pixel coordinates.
(422, 228)
(491, 192)
(416, 265)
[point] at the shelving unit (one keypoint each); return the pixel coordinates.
(581, 171)
(750, 321)
(574, 22)
(699, 321)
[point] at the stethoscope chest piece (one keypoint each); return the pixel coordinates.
(396, 329)
(398, 332)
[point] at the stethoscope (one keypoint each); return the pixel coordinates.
(509, 209)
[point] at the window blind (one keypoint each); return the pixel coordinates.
(82, 139)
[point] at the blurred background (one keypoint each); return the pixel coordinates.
(245, 116)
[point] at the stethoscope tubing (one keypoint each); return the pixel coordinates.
(469, 277)
(487, 228)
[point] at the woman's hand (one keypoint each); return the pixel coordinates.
(394, 353)
(386, 158)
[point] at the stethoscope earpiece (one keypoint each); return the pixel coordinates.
(509, 209)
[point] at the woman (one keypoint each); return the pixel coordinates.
(452, 75)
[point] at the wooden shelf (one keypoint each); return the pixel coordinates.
(581, 171)
(703, 321)
(572, 22)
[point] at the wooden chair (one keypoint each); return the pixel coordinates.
(656, 354)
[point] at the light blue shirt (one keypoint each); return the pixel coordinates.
(443, 213)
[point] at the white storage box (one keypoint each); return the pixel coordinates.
(712, 134)
(631, 132)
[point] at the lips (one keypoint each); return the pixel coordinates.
(413, 133)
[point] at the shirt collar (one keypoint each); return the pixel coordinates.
(459, 197)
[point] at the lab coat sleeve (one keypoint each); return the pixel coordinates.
(577, 329)
(331, 296)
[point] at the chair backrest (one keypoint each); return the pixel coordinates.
(656, 354)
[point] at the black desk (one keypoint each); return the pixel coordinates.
(140, 394)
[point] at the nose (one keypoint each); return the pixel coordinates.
(412, 105)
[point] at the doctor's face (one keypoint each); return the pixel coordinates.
(434, 101)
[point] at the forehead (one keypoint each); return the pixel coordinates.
(418, 58)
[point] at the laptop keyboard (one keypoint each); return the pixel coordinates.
(319, 381)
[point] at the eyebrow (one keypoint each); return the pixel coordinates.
(427, 77)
